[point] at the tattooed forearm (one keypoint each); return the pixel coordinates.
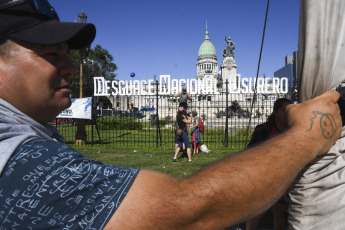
(327, 124)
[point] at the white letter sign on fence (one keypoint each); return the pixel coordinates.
(207, 85)
(80, 108)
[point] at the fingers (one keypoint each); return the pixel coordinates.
(331, 95)
(325, 101)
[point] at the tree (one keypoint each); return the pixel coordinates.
(96, 62)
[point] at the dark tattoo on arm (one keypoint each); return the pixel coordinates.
(327, 124)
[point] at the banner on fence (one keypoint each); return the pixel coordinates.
(80, 108)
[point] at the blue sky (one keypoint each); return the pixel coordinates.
(156, 37)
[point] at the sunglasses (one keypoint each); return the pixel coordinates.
(41, 6)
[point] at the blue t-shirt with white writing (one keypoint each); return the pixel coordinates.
(48, 185)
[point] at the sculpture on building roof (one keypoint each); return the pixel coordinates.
(230, 46)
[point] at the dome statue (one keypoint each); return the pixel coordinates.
(207, 49)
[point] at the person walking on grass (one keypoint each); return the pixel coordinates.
(182, 121)
(177, 140)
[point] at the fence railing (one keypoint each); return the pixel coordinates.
(147, 120)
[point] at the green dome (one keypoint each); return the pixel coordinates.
(207, 49)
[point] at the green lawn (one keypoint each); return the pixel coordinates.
(149, 138)
(158, 160)
(146, 150)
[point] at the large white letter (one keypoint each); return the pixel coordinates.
(129, 89)
(275, 85)
(260, 85)
(164, 83)
(151, 86)
(180, 85)
(136, 87)
(234, 86)
(267, 85)
(202, 86)
(208, 83)
(174, 86)
(98, 83)
(114, 87)
(122, 91)
(284, 85)
(106, 88)
(143, 85)
(193, 86)
(244, 85)
(251, 86)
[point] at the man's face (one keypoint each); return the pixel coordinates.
(36, 79)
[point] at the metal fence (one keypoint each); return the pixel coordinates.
(148, 121)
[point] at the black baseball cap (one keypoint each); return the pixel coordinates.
(37, 22)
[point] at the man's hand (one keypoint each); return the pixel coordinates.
(319, 119)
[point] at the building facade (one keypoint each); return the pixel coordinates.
(290, 72)
(211, 106)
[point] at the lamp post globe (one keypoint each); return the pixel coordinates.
(82, 17)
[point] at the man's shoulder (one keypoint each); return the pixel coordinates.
(47, 148)
(50, 144)
(55, 173)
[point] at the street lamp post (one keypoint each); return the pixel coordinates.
(82, 17)
(81, 132)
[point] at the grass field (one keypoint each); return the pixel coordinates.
(150, 138)
(158, 160)
(146, 149)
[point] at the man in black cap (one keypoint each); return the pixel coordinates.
(45, 184)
